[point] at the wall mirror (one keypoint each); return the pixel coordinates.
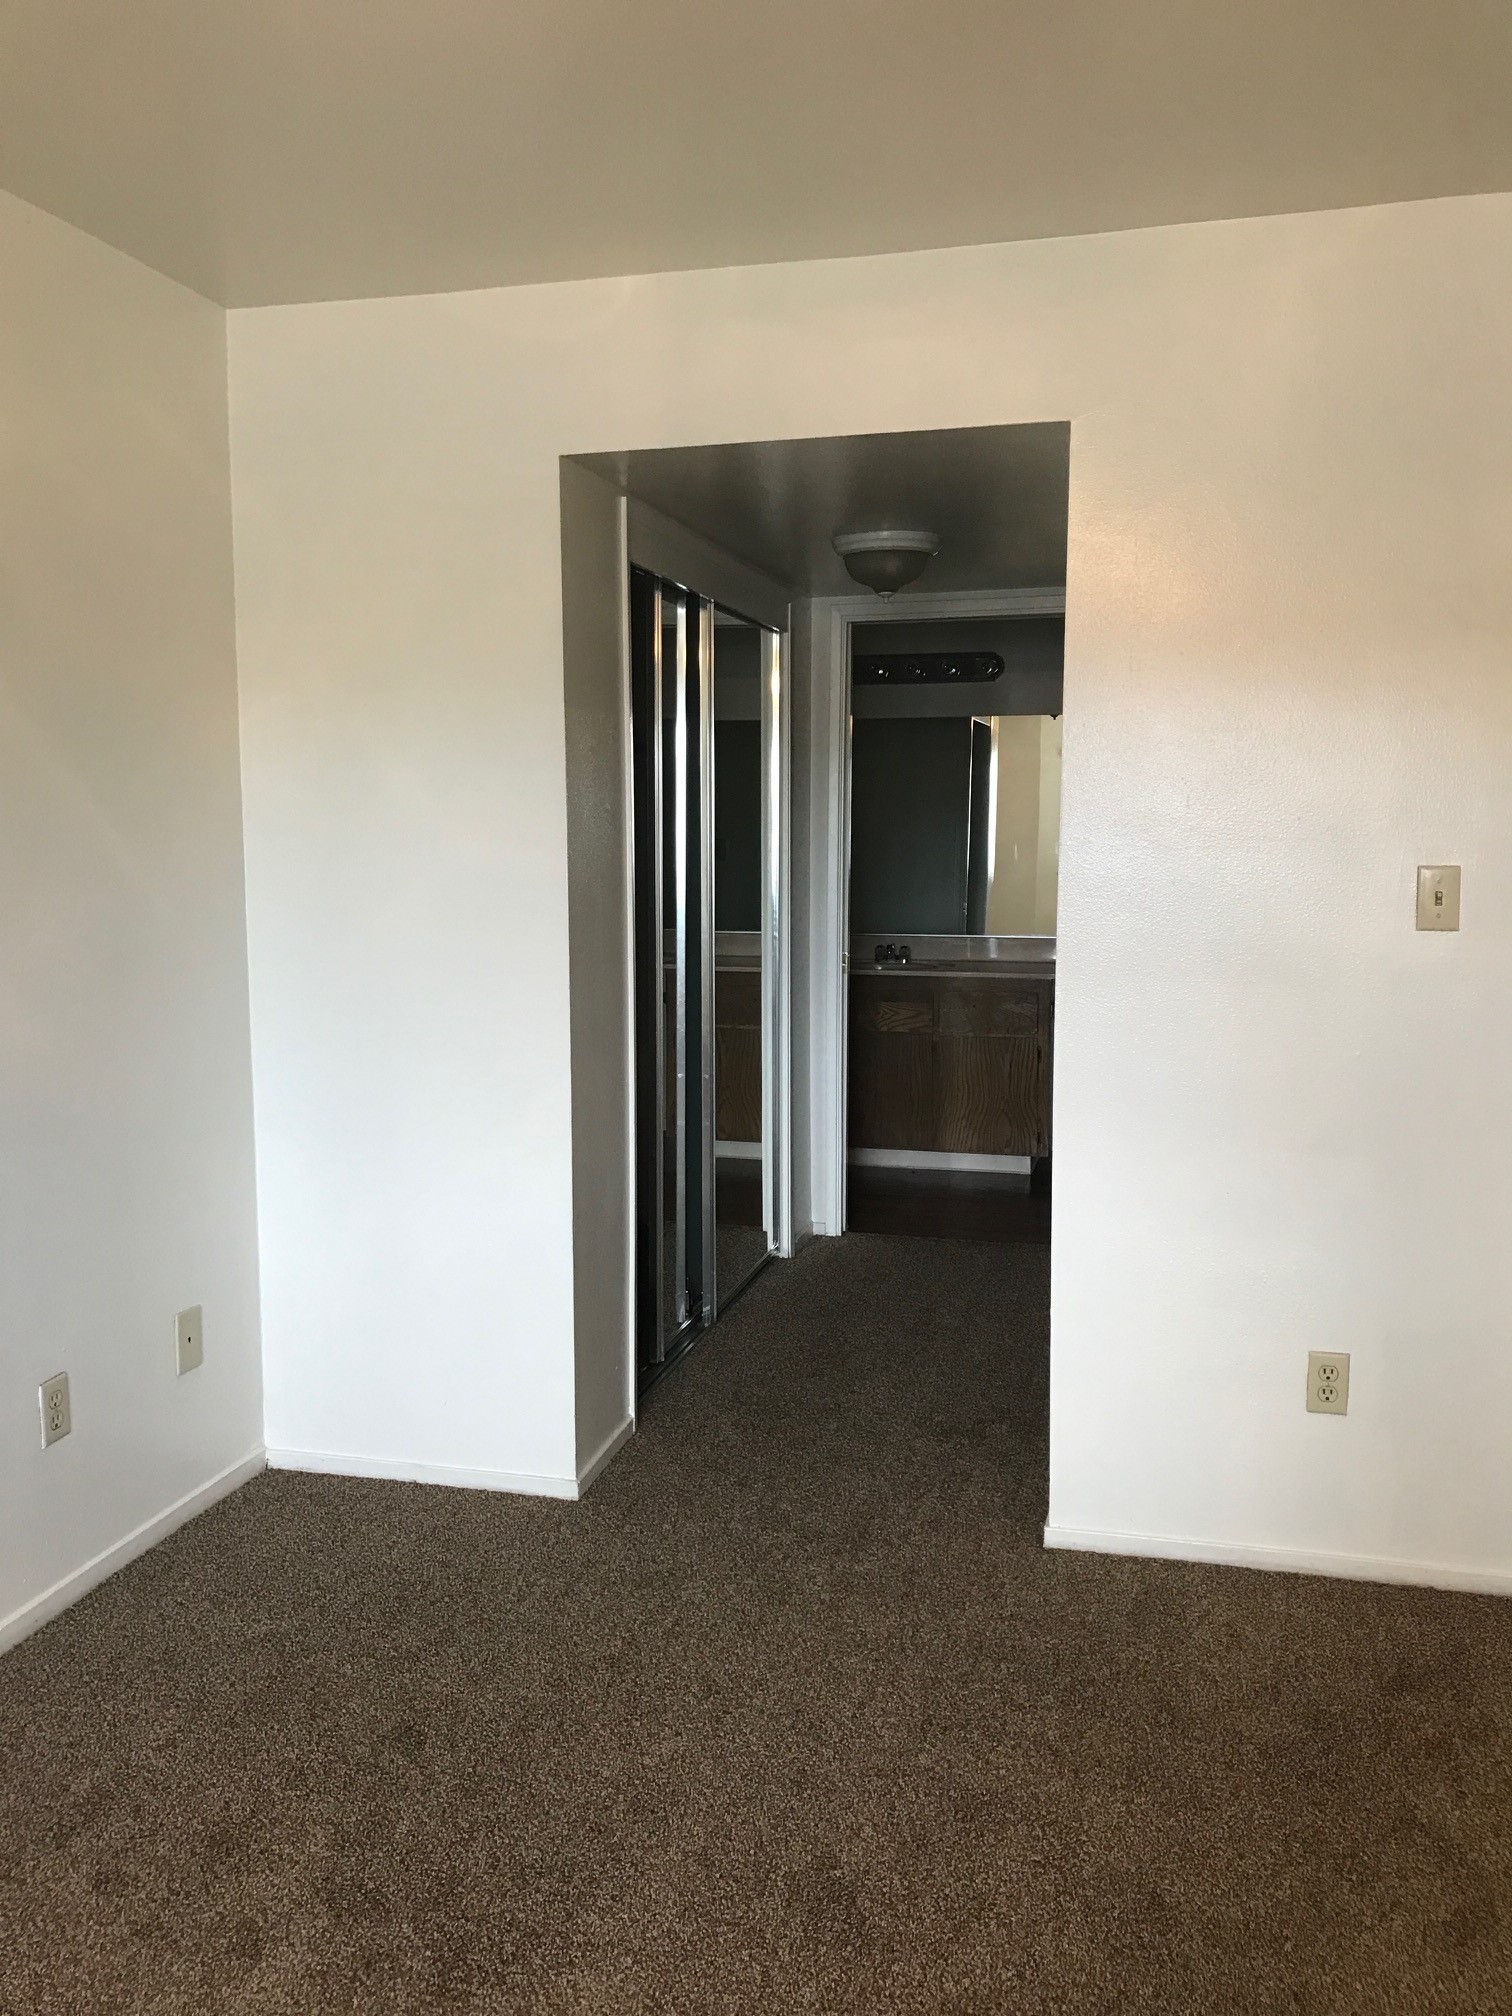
(955, 778)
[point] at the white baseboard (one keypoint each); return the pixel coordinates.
(1285, 1560)
(52, 1602)
(397, 1470)
(941, 1160)
(605, 1453)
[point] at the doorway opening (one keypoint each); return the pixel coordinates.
(746, 962)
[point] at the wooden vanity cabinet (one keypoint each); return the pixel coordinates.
(952, 1063)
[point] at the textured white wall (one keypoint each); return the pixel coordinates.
(1281, 1116)
(595, 594)
(126, 1168)
(403, 764)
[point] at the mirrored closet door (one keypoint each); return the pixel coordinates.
(705, 700)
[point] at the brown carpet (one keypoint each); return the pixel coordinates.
(791, 1714)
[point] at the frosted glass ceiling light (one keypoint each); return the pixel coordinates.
(886, 561)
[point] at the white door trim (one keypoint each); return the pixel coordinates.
(777, 930)
(627, 976)
(833, 617)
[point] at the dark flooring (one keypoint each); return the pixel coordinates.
(740, 1238)
(947, 1204)
(793, 1713)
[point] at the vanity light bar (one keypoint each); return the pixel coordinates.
(926, 668)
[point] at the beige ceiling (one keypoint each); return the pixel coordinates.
(997, 497)
(275, 150)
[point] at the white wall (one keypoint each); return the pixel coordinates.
(127, 1147)
(403, 759)
(595, 594)
(662, 546)
(1289, 627)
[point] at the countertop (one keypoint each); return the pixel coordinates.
(959, 957)
(957, 969)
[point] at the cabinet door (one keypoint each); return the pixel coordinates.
(959, 1066)
(990, 1081)
(973, 1007)
(988, 1095)
(891, 1083)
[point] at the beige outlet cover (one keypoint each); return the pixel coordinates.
(57, 1409)
(1328, 1382)
(189, 1339)
(1438, 899)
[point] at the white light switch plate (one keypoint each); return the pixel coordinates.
(1438, 899)
(189, 1339)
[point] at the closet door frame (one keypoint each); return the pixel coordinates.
(690, 614)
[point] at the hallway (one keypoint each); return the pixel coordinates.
(792, 1712)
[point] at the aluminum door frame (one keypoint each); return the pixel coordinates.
(710, 1256)
(775, 1026)
(647, 810)
(690, 616)
(682, 1312)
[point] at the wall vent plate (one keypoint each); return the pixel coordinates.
(1328, 1382)
(189, 1339)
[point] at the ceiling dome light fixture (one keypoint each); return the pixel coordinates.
(886, 561)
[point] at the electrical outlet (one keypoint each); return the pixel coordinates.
(57, 1414)
(1328, 1382)
(189, 1339)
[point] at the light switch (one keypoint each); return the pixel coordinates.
(1438, 899)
